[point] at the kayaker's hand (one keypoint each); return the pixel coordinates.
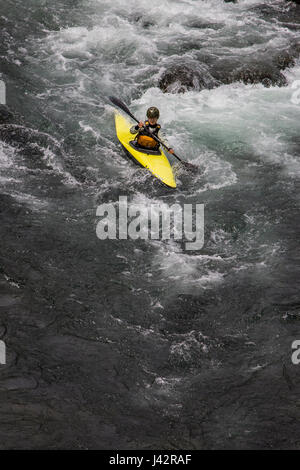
(171, 151)
(141, 124)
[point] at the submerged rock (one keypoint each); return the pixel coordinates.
(205, 74)
(179, 79)
(284, 60)
(182, 78)
(254, 75)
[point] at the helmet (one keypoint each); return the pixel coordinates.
(153, 112)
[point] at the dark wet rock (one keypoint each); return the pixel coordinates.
(266, 76)
(267, 73)
(181, 78)
(5, 114)
(287, 58)
(267, 70)
(204, 73)
(284, 60)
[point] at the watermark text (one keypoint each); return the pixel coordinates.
(2, 353)
(153, 221)
(296, 353)
(2, 92)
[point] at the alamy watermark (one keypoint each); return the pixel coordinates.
(2, 353)
(154, 221)
(295, 99)
(296, 353)
(2, 92)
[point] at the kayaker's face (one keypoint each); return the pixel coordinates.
(153, 121)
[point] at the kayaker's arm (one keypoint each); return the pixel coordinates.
(134, 129)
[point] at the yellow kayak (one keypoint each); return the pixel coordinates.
(156, 162)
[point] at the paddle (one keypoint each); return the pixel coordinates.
(123, 106)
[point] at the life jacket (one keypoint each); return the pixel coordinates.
(145, 140)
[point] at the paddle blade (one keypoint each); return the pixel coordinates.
(122, 106)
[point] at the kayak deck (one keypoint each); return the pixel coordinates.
(158, 165)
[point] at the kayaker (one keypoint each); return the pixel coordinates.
(142, 129)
